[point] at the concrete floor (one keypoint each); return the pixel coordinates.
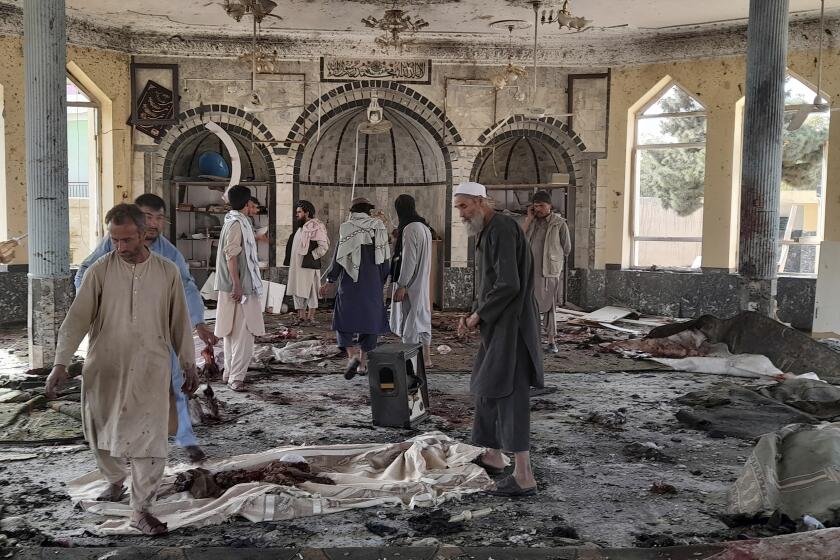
(587, 483)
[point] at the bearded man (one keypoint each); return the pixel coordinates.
(509, 361)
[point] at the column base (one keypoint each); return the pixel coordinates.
(758, 295)
(49, 300)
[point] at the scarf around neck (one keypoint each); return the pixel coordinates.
(359, 230)
(249, 246)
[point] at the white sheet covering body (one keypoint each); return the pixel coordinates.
(424, 471)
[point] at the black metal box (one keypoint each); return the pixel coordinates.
(399, 395)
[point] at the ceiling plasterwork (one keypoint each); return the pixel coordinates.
(582, 50)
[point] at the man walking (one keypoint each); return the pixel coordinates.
(132, 304)
(411, 306)
(154, 210)
(360, 267)
(551, 243)
(509, 361)
(238, 314)
(310, 243)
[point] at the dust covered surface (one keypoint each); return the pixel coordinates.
(595, 477)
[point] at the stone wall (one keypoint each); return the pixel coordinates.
(13, 296)
(685, 294)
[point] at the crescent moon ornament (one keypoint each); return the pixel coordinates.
(235, 164)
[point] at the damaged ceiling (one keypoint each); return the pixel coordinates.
(445, 17)
(622, 32)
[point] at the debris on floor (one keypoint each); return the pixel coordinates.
(663, 465)
(647, 451)
(732, 410)
(304, 351)
(613, 419)
(792, 471)
(790, 350)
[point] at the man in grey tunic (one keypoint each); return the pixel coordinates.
(550, 241)
(509, 360)
(411, 306)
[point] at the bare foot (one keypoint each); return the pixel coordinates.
(492, 459)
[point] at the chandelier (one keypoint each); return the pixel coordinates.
(564, 18)
(393, 24)
(259, 9)
(512, 72)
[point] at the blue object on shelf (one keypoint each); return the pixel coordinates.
(212, 163)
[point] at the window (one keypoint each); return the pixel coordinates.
(669, 167)
(83, 171)
(802, 196)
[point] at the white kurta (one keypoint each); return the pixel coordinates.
(135, 315)
(304, 282)
(413, 315)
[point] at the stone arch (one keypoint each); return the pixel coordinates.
(568, 145)
(233, 119)
(242, 125)
(546, 129)
(393, 96)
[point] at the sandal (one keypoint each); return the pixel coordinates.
(238, 386)
(148, 524)
(114, 493)
(509, 488)
(352, 369)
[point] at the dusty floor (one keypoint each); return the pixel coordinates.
(588, 483)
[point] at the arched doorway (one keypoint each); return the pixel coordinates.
(194, 196)
(522, 156)
(414, 157)
(405, 160)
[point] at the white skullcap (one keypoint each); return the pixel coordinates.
(471, 189)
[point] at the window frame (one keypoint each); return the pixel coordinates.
(817, 239)
(94, 190)
(635, 170)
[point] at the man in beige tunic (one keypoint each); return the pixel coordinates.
(131, 304)
(548, 235)
(238, 313)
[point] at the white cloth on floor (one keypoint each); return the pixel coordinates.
(424, 471)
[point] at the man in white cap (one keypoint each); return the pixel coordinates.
(509, 360)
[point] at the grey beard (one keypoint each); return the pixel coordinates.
(475, 224)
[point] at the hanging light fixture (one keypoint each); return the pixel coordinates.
(564, 18)
(394, 24)
(512, 72)
(259, 9)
